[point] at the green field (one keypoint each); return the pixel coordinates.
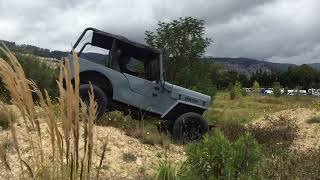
(246, 108)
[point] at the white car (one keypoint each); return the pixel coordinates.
(268, 91)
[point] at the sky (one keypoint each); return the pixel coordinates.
(285, 31)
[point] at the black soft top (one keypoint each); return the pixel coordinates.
(133, 49)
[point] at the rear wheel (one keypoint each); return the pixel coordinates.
(189, 127)
(99, 96)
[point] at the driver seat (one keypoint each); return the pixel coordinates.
(114, 60)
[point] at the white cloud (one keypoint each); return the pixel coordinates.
(275, 30)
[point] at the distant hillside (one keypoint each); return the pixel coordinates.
(252, 65)
(37, 51)
(315, 65)
(243, 65)
(248, 66)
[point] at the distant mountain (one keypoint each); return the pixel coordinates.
(248, 66)
(243, 65)
(315, 65)
(37, 51)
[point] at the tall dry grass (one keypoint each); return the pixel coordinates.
(67, 160)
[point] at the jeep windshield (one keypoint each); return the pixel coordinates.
(119, 53)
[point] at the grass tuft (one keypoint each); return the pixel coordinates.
(7, 116)
(166, 170)
(67, 160)
(314, 120)
(129, 157)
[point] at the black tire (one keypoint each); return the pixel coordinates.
(99, 95)
(189, 127)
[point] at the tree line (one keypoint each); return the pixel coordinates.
(184, 43)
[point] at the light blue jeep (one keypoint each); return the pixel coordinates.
(129, 77)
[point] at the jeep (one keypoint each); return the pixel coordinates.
(128, 76)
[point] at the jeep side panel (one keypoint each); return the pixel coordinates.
(168, 102)
(123, 93)
(155, 98)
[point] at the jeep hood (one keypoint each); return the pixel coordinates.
(189, 96)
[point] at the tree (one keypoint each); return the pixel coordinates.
(235, 90)
(238, 88)
(276, 89)
(182, 42)
(256, 87)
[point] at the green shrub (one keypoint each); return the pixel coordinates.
(232, 129)
(276, 89)
(314, 119)
(246, 155)
(235, 90)
(244, 92)
(256, 87)
(166, 170)
(155, 138)
(36, 70)
(4, 93)
(41, 73)
(198, 78)
(6, 116)
(129, 157)
(281, 132)
(209, 158)
(215, 157)
(232, 92)
(291, 165)
(297, 91)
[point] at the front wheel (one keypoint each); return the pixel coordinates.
(99, 97)
(189, 127)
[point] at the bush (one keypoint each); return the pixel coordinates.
(291, 165)
(198, 78)
(41, 73)
(36, 70)
(232, 93)
(215, 157)
(256, 87)
(238, 88)
(244, 92)
(166, 170)
(280, 132)
(156, 138)
(4, 93)
(235, 90)
(314, 119)
(129, 157)
(297, 91)
(6, 116)
(276, 89)
(246, 155)
(232, 129)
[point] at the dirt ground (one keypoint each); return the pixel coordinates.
(114, 165)
(147, 156)
(307, 122)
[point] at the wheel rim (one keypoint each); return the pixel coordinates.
(191, 130)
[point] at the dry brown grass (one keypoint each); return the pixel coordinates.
(68, 161)
(7, 116)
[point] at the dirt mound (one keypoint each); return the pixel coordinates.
(125, 158)
(307, 122)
